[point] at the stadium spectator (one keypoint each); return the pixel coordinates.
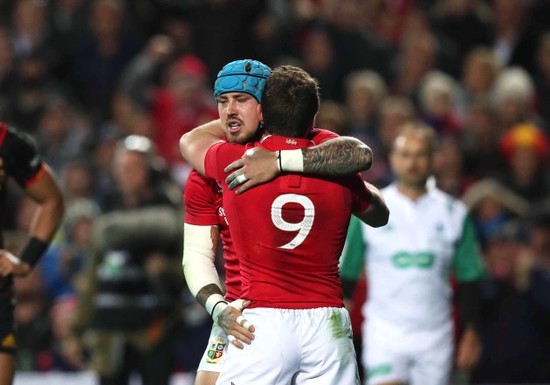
(527, 150)
(180, 102)
(131, 303)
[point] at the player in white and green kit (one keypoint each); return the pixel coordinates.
(408, 329)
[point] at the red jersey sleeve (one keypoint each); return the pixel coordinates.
(361, 194)
(218, 156)
(320, 135)
(201, 200)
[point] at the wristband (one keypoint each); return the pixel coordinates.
(33, 251)
(218, 308)
(214, 305)
(291, 160)
(278, 155)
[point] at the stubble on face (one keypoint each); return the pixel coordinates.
(241, 119)
(412, 162)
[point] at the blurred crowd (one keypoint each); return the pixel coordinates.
(80, 76)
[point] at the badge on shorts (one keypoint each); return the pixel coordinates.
(215, 351)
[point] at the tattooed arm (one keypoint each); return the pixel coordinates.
(336, 157)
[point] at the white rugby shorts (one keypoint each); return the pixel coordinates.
(215, 353)
(299, 346)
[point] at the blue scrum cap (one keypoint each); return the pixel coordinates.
(245, 75)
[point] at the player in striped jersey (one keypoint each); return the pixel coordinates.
(19, 160)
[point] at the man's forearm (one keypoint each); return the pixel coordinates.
(195, 143)
(340, 156)
(205, 293)
(470, 304)
(51, 206)
(378, 213)
(337, 157)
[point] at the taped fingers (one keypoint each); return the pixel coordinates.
(247, 325)
(239, 304)
(231, 338)
(243, 322)
(241, 179)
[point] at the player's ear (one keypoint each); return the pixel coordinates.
(259, 110)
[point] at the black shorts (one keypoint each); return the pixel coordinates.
(7, 327)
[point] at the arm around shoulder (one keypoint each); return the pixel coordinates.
(195, 143)
(340, 156)
(378, 213)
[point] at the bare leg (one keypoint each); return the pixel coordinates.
(7, 368)
(205, 378)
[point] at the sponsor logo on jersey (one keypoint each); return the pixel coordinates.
(221, 214)
(8, 341)
(420, 260)
(291, 142)
(215, 351)
(379, 370)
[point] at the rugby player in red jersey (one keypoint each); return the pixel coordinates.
(205, 217)
(288, 234)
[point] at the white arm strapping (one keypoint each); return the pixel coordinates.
(291, 161)
(198, 258)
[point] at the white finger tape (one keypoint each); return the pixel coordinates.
(240, 319)
(249, 152)
(238, 304)
(247, 325)
(241, 179)
(231, 338)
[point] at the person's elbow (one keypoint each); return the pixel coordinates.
(185, 146)
(367, 157)
(376, 216)
(362, 155)
(381, 217)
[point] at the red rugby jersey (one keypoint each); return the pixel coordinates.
(288, 233)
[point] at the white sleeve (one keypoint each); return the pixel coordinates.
(198, 258)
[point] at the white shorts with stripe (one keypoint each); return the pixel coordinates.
(215, 354)
(302, 347)
(417, 358)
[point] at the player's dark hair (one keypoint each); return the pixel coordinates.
(290, 101)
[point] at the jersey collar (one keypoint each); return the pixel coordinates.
(283, 142)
